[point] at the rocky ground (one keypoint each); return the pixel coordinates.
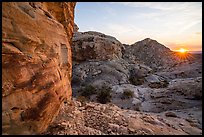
(149, 89)
(92, 118)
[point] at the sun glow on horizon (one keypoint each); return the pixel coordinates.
(182, 50)
(183, 54)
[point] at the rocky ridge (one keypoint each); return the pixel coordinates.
(151, 53)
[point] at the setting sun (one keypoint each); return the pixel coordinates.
(182, 50)
(182, 53)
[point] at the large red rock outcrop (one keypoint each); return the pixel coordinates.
(36, 63)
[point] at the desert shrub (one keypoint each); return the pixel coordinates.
(87, 91)
(165, 84)
(154, 85)
(127, 94)
(83, 84)
(135, 78)
(104, 94)
(162, 84)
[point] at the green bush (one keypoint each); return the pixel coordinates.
(104, 95)
(127, 94)
(87, 91)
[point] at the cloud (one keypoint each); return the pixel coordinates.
(152, 5)
(188, 26)
(110, 11)
(162, 5)
(172, 17)
(125, 33)
(118, 28)
(166, 11)
(122, 28)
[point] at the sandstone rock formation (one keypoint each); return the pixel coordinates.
(36, 63)
(95, 46)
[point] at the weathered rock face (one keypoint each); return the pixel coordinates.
(36, 63)
(95, 46)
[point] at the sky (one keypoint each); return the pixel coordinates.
(173, 24)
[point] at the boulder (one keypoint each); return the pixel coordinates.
(95, 46)
(155, 81)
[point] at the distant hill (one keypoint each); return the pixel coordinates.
(151, 53)
(195, 52)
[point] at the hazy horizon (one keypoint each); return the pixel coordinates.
(173, 24)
